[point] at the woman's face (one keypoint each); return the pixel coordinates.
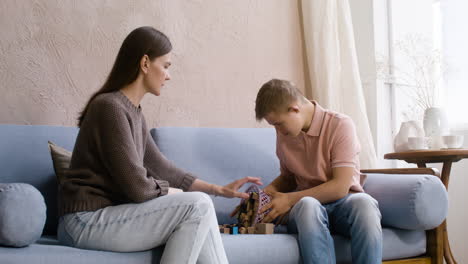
(157, 74)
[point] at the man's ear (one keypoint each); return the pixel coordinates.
(144, 63)
(294, 108)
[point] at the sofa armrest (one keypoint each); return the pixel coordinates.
(429, 171)
(413, 199)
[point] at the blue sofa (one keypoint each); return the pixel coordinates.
(411, 200)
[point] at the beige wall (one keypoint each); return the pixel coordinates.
(55, 53)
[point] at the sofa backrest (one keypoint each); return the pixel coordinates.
(25, 157)
(221, 155)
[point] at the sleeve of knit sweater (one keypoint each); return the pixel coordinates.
(160, 167)
(120, 156)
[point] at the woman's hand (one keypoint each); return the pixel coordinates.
(231, 190)
(174, 190)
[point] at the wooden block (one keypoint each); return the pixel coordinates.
(226, 230)
(235, 230)
(251, 230)
(255, 196)
(221, 228)
(266, 229)
(242, 230)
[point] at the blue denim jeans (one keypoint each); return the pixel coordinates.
(185, 222)
(356, 216)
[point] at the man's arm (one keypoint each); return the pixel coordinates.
(285, 182)
(281, 183)
(330, 191)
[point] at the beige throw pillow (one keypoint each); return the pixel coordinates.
(61, 160)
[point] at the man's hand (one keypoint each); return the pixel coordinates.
(174, 190)
(280, 204)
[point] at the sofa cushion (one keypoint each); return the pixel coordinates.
(49, 251)
(414, 202)
(253, 249)
(61, 160)
(22, 214)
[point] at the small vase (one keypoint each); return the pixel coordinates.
(407, 129)
(435, 122)
(435, 125)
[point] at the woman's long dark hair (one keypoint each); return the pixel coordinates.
(141, 41)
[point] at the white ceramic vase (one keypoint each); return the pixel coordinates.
(435, 125)
(435, 122)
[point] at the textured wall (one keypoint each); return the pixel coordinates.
(55, 53)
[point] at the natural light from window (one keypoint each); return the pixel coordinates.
(451, 36)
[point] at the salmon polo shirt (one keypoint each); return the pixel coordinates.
(330, 142)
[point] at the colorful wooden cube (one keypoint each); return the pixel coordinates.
(266, 229)
(234, 230)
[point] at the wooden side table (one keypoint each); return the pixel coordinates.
(447, 157)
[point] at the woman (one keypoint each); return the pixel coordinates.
(115, 196)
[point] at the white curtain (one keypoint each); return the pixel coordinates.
(333, 66)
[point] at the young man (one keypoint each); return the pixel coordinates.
(320, 184)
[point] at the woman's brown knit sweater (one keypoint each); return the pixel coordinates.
(115, 160)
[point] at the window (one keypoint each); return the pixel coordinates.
(451, 34)
(438, 28)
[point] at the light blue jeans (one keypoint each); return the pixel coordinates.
(185, 222)
(356, 216)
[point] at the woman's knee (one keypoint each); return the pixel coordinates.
(199, 201)
(192, 198)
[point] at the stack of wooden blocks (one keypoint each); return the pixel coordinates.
(247, 213)
(247, 210)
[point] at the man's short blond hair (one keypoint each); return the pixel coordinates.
(275, 96)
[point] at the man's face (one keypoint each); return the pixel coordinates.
(288, 123)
